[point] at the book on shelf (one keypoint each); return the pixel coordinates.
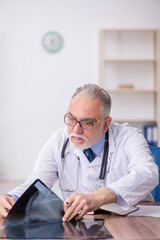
(151, 134)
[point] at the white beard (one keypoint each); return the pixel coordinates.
(85, 145)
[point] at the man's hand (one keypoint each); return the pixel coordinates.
(6, 203)
(79, 204)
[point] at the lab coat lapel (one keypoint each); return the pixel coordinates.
(77, 152)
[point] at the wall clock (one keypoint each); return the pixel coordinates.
(52, 42)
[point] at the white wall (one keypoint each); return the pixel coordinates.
(35, 86)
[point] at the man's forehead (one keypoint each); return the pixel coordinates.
(81, 99)
(85, 107)
(81, 118)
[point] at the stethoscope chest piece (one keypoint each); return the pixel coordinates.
(100, 184)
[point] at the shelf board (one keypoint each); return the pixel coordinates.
(134, 120)
(131, 90)
(129, 30)
(129, 60)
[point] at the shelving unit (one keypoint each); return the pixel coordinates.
(129, 63)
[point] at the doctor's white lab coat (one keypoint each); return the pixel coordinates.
(131, 171)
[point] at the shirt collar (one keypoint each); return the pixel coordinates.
(98, 147)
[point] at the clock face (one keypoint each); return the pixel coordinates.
(52, 42)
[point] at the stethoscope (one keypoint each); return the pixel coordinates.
(100, 184)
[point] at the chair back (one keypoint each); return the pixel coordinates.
(155, 152)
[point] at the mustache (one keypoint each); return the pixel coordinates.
(77, 135)
(86, 143)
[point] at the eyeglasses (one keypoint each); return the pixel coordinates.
(85, 124)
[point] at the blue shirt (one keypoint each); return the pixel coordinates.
(98, 147)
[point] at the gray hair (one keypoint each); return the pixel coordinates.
(95, 92)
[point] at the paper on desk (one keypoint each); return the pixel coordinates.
(146, 210)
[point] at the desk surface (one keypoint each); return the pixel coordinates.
(127, 228)
(132, 227)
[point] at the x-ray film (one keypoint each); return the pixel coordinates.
(37, 214)
(38, 203)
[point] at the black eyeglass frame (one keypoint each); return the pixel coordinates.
(93, 122)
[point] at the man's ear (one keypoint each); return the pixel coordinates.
(107, 122)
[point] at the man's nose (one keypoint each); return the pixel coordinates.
(77, 128)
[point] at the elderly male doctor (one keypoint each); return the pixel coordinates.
(102, 162)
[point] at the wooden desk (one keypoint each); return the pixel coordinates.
(128, 228)
(132, 227)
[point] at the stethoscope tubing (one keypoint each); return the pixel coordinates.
(105, 158)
